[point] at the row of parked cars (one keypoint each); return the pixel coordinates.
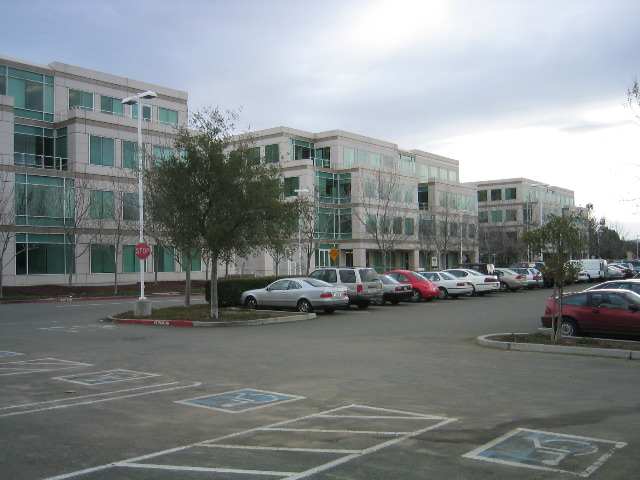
(330, 288)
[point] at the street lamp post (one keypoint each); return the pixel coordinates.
(299, 191)
(142, 306)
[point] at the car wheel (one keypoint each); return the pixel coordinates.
(504, 287)
(442, 294)
(329, 310)
(250, 303)
(305, 306)
(363, 305)
(473, 291)
(417, 296)
(568, 328)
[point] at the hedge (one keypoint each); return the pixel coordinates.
(230, 289)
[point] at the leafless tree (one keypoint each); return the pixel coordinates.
(7, 222)
(386, 203)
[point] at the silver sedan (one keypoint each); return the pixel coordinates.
(302, 294)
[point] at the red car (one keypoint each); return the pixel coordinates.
(422, 288)
(591, 311)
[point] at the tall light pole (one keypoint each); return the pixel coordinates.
(142, 306)
(299, 191)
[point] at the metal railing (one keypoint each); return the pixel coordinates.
(47, 162)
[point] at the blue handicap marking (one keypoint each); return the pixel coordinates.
(240, 400)
(109, 376)
(547, 451)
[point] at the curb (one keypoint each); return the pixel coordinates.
(239, 323)
(85, 299)
(485, 341)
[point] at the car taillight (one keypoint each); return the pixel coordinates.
(519, 277)
(326, 295)
(490, 279)
(359, 289)
(461, 284)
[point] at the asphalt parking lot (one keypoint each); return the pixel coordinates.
(394, 392)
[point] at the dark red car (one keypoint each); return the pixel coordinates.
(596, 311)
(422, 288)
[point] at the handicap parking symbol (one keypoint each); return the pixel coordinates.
(240, 400)
(548, 451)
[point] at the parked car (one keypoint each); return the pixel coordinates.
(613, 273)
(481, 283)
(422, 288)
(486, 268)
(596, 311)
(532, 275)
(627, 270)
(302, 294)
(628, 284)
(393, 291)
(547, 278)
(510, 281)
(449, 285)
(363, 283)
(583, 277)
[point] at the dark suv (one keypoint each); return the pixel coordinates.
(363, 283)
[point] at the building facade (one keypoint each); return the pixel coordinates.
(69, 189)
(68, 167)
(508, 208)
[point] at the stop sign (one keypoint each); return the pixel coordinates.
(143, 251)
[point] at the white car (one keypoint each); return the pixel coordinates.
(303, 294)
(533, 276)
(448, 284)
(480, 282)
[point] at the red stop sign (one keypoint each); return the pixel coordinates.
(143, 251)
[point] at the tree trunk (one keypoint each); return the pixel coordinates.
(214, 286)
(187, 286)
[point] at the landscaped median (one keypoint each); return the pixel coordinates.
(199, 316)
(540, 342)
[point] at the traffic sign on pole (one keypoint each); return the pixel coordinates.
(143, 251)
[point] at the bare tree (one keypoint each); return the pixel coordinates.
(7, 222)
(386, 204)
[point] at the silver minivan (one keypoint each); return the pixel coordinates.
(363, 283)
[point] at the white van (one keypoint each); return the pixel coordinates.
(595, 268)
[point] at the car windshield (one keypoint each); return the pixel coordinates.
(386, 279)
(314, 282)
(447, 276)
(418, 276)
(368, 275)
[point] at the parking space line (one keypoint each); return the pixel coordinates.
(179, 458)
(73, 402)
(39, 365)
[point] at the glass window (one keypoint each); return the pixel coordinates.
(291, 184)
(32, 94)
(496, 216)
(3, 80)
(511, 215)
(80, 99)
(34, 147)
(423, 197)
(164, 258)
(103, 258)
(271, 153)
(42, 254)
(349, 157)
(146, 112)
(101, 205)
(161, 154)
(131, 263)
(509, 193)
(483, 217)
(130, 207)
(496, 194)
(323, 157)
(408, 163)
(409, 226)
(302, 150)
(129, 154)
(482, 195)
(196, 262)
(167, 116)
(112, 106)
(101, 151)
(253, 156)
(43, 201)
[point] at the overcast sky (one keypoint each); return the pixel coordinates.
(509, 88)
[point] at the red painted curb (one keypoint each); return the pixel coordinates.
(85, 299)
(165, 323)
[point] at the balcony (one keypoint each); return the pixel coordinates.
(46, 162)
